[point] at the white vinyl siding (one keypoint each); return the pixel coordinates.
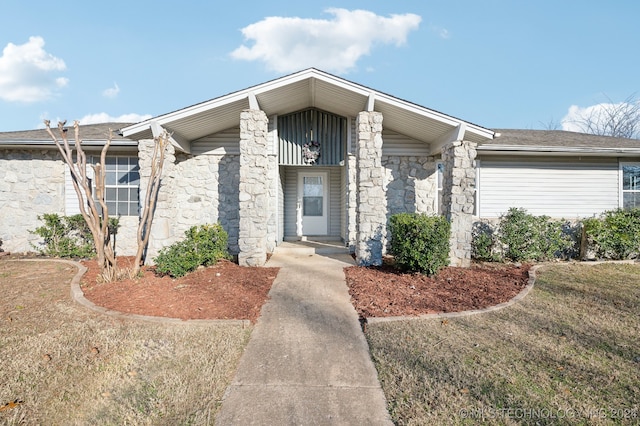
(561, 188)
(225, 142)
(397, 144)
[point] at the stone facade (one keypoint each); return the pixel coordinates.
(410, 184)
(258, 189)
(195, 190)
(371, 202)
(459, 194)
(31, 184)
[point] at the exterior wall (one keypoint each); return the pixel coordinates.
(31, 184)
(556, 187)
(195, 190)
(410, 184)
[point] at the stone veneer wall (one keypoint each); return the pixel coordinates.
(371, 203)
(410, 184)
(195, 190)
(31, 184)
(458, 190)
(258, 190)
(352, 190)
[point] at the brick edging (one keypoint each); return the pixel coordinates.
(78, 296)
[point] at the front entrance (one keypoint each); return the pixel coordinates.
(312, 206)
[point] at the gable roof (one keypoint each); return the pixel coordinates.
(91, 134)
(310, 88)
(560, 142)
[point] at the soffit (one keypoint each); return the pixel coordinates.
(308, 89)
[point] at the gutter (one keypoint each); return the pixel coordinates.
(520, 149)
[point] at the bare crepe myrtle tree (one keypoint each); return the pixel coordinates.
(146, 219)
(621, 119)
(92, 204)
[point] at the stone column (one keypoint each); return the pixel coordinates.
(371, 203)
(255, 185)
(459, 197)
(163, 229)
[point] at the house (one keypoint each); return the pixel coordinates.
(313, 155)
(556, 173)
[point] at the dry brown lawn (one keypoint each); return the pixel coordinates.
(569, 353)
(62, 364)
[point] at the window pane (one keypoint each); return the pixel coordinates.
(133, 195)
(123, 163)
(110, 178)
(123, 209)
(631, 177)
(312, 186)
(312, 206)
(123, 194)
(134, 178)
(110, 163)
(440, 172)
(630, 200)
(110, 195)
(133, 209)
(123, 178)
(111, 206)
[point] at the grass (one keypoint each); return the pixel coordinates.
(569, 353)
(66, 365)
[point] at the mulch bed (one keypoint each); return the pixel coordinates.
(385, 292)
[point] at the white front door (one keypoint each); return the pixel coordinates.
(313, 200)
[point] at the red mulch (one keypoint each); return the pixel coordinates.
(228, 291)
(222, 291)
(385, 292)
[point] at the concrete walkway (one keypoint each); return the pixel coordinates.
(307, 362)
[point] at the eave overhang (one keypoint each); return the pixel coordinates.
(557, 151)
(310, 88)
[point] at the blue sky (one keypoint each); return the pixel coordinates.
(496, 63)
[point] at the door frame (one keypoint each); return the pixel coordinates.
(325, 205)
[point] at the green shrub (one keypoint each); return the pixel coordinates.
(420, 243)
(615, 234)
(527, 237)
(484, 243)
(65, 236)
(203, 245)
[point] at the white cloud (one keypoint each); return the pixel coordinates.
(607, 118)
(27, 72)
(103, 117)
(289, 44)
(443, 33)
(111, 92)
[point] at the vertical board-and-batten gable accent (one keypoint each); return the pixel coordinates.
(297, 129)
(560, 188)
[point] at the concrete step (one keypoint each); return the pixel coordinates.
(312, 247)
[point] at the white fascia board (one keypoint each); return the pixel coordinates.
(519, 149)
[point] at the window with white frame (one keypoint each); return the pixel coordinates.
(122, 183)
(630, 185)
